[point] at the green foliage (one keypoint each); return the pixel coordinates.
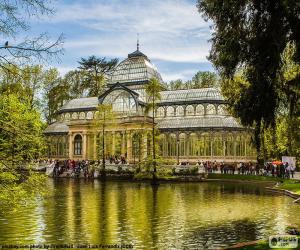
(202, 79)
(21, 142)
(94, 71)
(205, 79)
(244, 38)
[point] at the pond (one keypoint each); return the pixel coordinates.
(172, 216)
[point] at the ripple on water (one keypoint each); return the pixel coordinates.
(174, 216)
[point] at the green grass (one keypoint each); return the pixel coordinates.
(242, 177)
(291, 185)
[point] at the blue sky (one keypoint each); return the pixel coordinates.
(172, 33)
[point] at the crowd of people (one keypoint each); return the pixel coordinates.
(281, 170)
(87, 167)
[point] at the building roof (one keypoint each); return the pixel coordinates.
(170, 96)
(223, 122)
(202, 94)
(57, 128)
(137, 68)
(87, 103)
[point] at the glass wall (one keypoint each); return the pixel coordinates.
(220, 144)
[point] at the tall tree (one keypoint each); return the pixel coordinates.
(153, 89)
(253, 34)
(205, 79)
(95, 71)
(21, 142)
(104, 118)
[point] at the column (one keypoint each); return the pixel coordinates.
(95, 147)
(211, 138)
(144, 145)
(84, 146)
(113, 152)
(224, 148)
(187, 146)
(129, 146)
(70, 145)
(123, 149)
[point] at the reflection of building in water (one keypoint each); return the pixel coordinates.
(193, 124)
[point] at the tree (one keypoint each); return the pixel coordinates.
(14, 18)
(205, 79)
(104, 118)
(21, 141)
(175, 85)
(153, 89)
(95, 71)
(244, 38)
(20, 123)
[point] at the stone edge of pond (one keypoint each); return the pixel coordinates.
(285, 192)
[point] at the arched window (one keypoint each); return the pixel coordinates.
(189, 110)
(172, 145)
(200, 110)
(193, 146)
(229, 145)
(210, 109)
(182, 140)
(89, 115)
(179, 111)
(67, 116)
(160, 112)
(217, 145)
(78, 145)
(170, 111)
(74, 116)
(82, 116)
(163, 145)
(222, 110)
(122, 102)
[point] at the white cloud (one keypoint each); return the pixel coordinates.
(170, 30)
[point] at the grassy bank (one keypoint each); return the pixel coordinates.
(243, 177)
(291, 185)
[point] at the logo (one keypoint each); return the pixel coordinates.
(283, 241)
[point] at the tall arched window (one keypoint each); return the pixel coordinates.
(182, 140)
(78, 145)
(122, 102)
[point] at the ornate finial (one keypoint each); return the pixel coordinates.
(138, 43)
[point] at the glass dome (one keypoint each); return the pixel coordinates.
(136, 68)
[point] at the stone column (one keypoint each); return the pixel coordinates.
(187, 146)
(144, 145)
(123, 149)
(113, 151)
(129, 146)
(84, 146)
(95, 147)
(70, 137)
(211, 146)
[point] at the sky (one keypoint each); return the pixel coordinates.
(172, 33)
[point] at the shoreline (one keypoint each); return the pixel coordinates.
(190, 178)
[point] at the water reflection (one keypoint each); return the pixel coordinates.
(171, 216)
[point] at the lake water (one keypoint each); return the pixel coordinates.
(172, 216)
